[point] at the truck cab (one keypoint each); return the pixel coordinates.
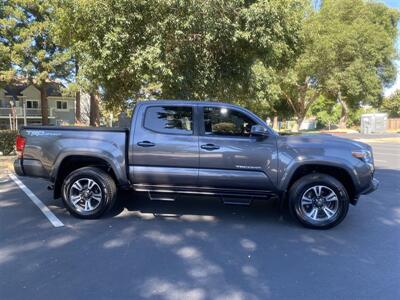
(203, 147)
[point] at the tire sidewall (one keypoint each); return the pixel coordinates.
(91, 174)
(303, 184)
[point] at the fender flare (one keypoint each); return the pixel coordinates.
(291, 169)
(120, 175)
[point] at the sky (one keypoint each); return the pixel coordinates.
(389, 91)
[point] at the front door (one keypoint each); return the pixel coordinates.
(230, 158)
(165, 147)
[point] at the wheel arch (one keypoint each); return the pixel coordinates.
(73, 162)
(338, 172)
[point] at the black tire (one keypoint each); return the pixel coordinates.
(307, 184)
(105, 184)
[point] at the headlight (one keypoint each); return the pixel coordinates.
(365, 156)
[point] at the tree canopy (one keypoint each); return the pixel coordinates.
(355, 50)
(391, 105)
(348, 56)
(182, 49)
(274, 56)
(5, 54)
(27, 33)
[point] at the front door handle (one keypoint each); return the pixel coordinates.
(146, 144)
(209, 147)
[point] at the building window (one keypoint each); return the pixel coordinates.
(32, 104)
(62, 105)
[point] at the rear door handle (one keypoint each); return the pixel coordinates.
(209, 147)
(146, 144)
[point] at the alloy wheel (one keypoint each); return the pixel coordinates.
(319, 203)
(85, 195)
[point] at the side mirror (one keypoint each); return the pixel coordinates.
(258, 130)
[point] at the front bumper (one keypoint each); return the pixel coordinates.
(373, 186)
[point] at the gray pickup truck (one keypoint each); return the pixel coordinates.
(201, 148)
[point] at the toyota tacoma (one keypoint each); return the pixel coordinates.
(202, 148)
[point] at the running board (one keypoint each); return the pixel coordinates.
(236, 200)
(157, 196)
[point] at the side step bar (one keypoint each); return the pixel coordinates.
(158, 196)
(229, 200)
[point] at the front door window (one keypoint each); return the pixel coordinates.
(226, 122)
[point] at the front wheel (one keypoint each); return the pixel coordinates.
(88, 192)
(318, 201)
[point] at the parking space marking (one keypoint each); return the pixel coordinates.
(45, 210)
(386, 153)
(380, 160)
(395, 150)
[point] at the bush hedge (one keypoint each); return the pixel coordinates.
(7, 141)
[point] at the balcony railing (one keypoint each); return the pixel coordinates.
(30, 112)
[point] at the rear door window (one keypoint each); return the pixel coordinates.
(169, 119)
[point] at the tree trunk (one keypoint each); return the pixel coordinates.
(275, 123)
(94, 110)
(345, 112)
(300, 119)
(44, 104)
(77, 96)
(78, 107)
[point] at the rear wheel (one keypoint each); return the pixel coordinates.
(318, 201)
(88, 192)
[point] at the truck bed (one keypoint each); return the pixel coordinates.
(49, 146)
(74, 128)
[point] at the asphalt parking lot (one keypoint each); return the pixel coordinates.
(198, 248)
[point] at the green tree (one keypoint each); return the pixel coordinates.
(268, 72)
(298, 82)
(183, 49)
(69, 32)
(34, 53)
(6, 72)
(327, 112)
(300, 88)
(355, 47)
(391, 105)
(347, 55)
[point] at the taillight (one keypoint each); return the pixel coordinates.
(20, 145)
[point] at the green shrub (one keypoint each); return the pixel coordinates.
(7, 141)
(327, 112)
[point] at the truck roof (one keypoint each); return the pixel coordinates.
(184, 102)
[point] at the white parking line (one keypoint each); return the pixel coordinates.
(386, 153)
(384, 150)
(380, 160)
(45, 210)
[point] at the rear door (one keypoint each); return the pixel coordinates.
(165, 150)
(230, 158)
